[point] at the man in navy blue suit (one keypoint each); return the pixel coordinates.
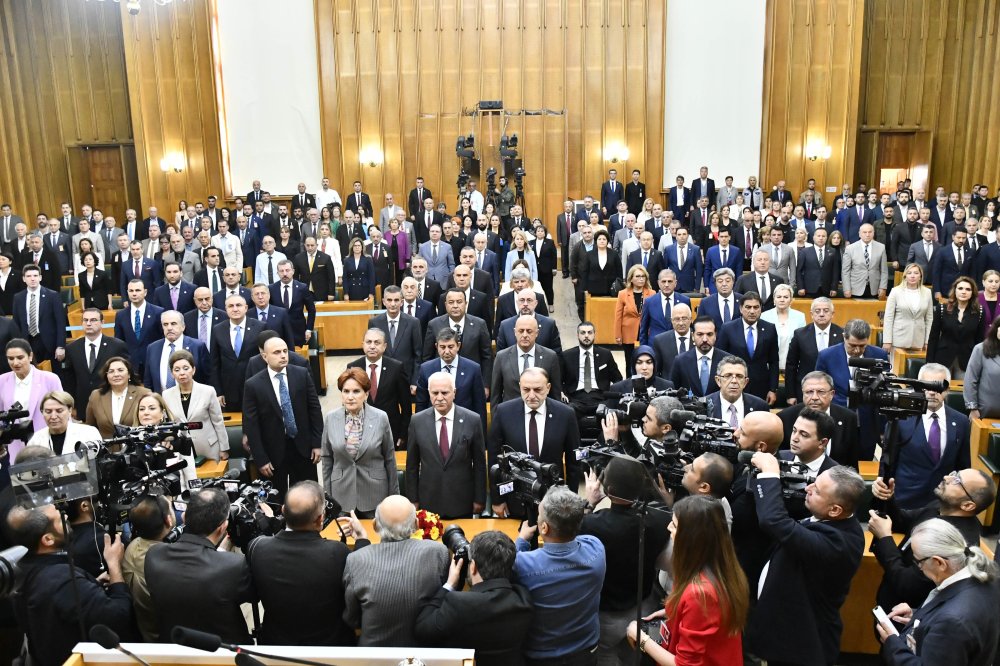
(656, 308)
(695, 368)
(138, 325)
(231, 281)
(149, 270)
(271, 316)
(723, 305)
(684, 259)
(730, 403)
(850, 219)
(294, 296)
(647, 256)
(200, 321)
(548, 331)
(486, 260)
(423, 310)
(157, 375)
(703, 186)
(833, 361)
(469, 389)
(722, 255)
(756, 342)
(933, 444)
(173, 287)
(40, 316)
(946, 267)
(680, 200)
(611, 193)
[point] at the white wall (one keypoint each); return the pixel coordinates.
(273, 126)
(714, 89)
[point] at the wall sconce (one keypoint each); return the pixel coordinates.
(615, 153)
(371, 156)
(172, 162)
(815, 151)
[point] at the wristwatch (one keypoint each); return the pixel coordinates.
(971, 405)
(643, 637)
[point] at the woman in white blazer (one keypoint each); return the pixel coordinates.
(189, 401)
(61, 434)
(909, 312)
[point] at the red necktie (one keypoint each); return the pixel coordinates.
(443, 441)
(704, 219)
(374, 380)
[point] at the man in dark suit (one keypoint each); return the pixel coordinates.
(807, 343)
(48, 263)
(271, 316)
(657, 309)
(68, 223)
(684, 259)
(456, 619)
(415, 200)
(515, 425)
(85, 357)
(477, 345)
(723, 306)
(231, 286)
(548, 331)
(233, 343)
(359, 202)
(677, 340)
(611, 193)
(390, 386)
(507, 306)
(191, 583)
(703, 186)
(40, 317)
(302, 200)
(482, 280)
(470, 391)
(635, 193)
(283, 434)
(680, 201)
(730, 403)
(445, 455)
(951, 261)
(818, 268)
(760, 280)
(817, 389)
(254, 195)
(565, 227)
(809, 573)
(587, 371)
(157, 375)
(61, 244)
(149, 270)
(723, 255)
(402, 333)
(426, 218)
(478, 303)
(428, 289)
(211, 273)
(486, 260)
(646, 256)
(174, 287)
(200, 321)
(142, 233)
(305, 605)
(295, 297)
(756, 342)
(695, 368)
(513, 361)
(138, 325)
(416, 307)
(850, 219)
(316, 270)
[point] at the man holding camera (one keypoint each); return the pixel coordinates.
(192, 583)
(152, 518)
(452, 618)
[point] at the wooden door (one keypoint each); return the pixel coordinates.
(107, 179)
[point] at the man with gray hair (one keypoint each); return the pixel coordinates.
(807, 343)
(385, 582)
(562, 578)
(507, 307)
(527, 303)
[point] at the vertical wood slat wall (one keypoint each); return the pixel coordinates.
(62, 83)
(812, 74)
(397, 75)
(935, 65)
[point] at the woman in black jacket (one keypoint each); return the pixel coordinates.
(956, 328)
(545, 259)
(601, 267)
(94, 284)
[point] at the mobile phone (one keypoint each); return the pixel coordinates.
(884, 620)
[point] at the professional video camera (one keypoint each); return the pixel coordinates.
(795, 476)
(633, 405)
(491, 182)
(894, 397)
(700, 434)
(462, 181)
(520, 476)
(247, 518)
(10, 429)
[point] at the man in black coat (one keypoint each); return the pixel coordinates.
(295, 297)
(805, 346)
(456, 619)
(85, 358)
(809, 572)
(299, 575)
(586, 358)
(478, 303)
(402, 331)
(477, 345)
(191, 583)
(200, 328)
(8, 331)
(284, 436)
(229, 365)
(390, 391)
(39, 254)
(321, 278)
(818, 394)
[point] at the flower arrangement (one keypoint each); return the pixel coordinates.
(428, 526)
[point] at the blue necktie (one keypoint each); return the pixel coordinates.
(238, 342)
(726, 314)
(137, 325)
(704, 375)
(750, 344)
(170, 375)
(286, 406)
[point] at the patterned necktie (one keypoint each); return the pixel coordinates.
(170, 376)
(734, 420)
(373, 377)
(934, 438)
(270, 268)
(726, 312)
(683, 344)
(704, 375)
(443, 439)
(33, 315)
(137, 325)
(867, 258)
(588, 385)
(203, 327)
(286, 406)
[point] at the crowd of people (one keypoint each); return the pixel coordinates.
(468, 301)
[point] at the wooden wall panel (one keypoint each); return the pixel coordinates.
(932, 65)
(812, 65)
(62, 84)
(400, 75)
(171, 79)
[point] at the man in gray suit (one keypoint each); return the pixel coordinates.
(96, 244)
(386, 582)
(446, 455)
(922, 252)
(109, 233)
(864, 270)
(389, 212)
(440, 257)
(783, 257)
(7, 223)
(402, 332)
(189, 261)
(511, 362)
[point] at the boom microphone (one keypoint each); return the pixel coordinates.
(199, 640)
(104, 636)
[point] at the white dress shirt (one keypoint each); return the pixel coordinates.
(593, 369)
(449, 420)
(117, 406)
(22, 388)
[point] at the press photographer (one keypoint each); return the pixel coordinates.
(152, 519)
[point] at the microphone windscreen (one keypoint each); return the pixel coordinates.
(192, 638)
(104, 636)
(232, 474)
(862, 362)
(745, 457)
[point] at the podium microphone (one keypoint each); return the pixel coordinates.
(104, 636)
(200, 640)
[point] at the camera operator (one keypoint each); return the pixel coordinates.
(503, 198)
(452, 618)
(152, 518)
(45, 604)
(810, 440)
(623, 481)
(807, 578)
(299, 574)
(193, 584)
(562, 578)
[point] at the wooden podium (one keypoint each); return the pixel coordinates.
(163, 654)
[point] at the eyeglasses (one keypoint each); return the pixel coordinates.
(955, 477)
(731, 377)
(920, 561)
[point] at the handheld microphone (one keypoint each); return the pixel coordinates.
(232, 474)
(104, 636)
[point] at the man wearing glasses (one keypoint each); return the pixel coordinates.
(730, 403)
(959, 496)
(817, 393)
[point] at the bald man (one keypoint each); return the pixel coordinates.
(759, 431)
